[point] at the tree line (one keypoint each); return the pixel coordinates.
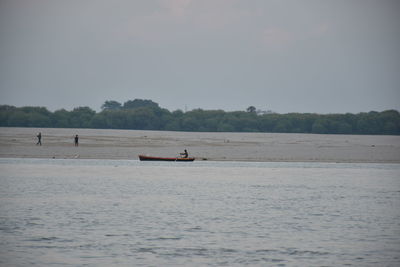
(142, 114)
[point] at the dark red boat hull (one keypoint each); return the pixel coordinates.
(149, 158)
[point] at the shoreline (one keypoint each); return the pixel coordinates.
(214, 160)
(58, 143)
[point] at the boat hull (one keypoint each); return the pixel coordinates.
(149, 158)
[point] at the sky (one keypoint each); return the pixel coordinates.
(319, 56)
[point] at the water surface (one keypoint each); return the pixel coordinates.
(125, 213)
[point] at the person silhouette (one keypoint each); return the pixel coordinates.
(76, 140)
(39, 137)
(185, 154)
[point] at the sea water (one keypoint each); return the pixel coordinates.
(131, 213)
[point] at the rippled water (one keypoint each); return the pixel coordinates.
(125, 213)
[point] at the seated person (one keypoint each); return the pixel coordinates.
(185, 154)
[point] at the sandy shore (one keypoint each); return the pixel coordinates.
(128, 144)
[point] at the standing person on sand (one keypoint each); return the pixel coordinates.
(39, 137)
(76, 140)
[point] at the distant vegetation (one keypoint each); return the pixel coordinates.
(141, 114)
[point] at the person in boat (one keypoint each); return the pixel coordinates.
(185, 154)
(39, 137)
(76, 140)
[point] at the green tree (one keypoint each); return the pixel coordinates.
(251, 109)
(5, 113)
(111, 105)
(138, 103)
(390, 121)
(19, 118)
(343, 127)
(115, 119)
(146, 114)
(81, 117)
(189, 123)
(60, 119)
(142, 118)
(39, 120)
(319, 126)
(99, 121)
(225, 127)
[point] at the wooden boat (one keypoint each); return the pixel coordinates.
(149, 158)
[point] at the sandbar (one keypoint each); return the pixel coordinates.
(58, 143)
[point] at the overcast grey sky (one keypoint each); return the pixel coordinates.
(286, 56)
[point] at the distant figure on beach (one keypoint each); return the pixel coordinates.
(185, 154)
(39, 137)
(76, 140)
